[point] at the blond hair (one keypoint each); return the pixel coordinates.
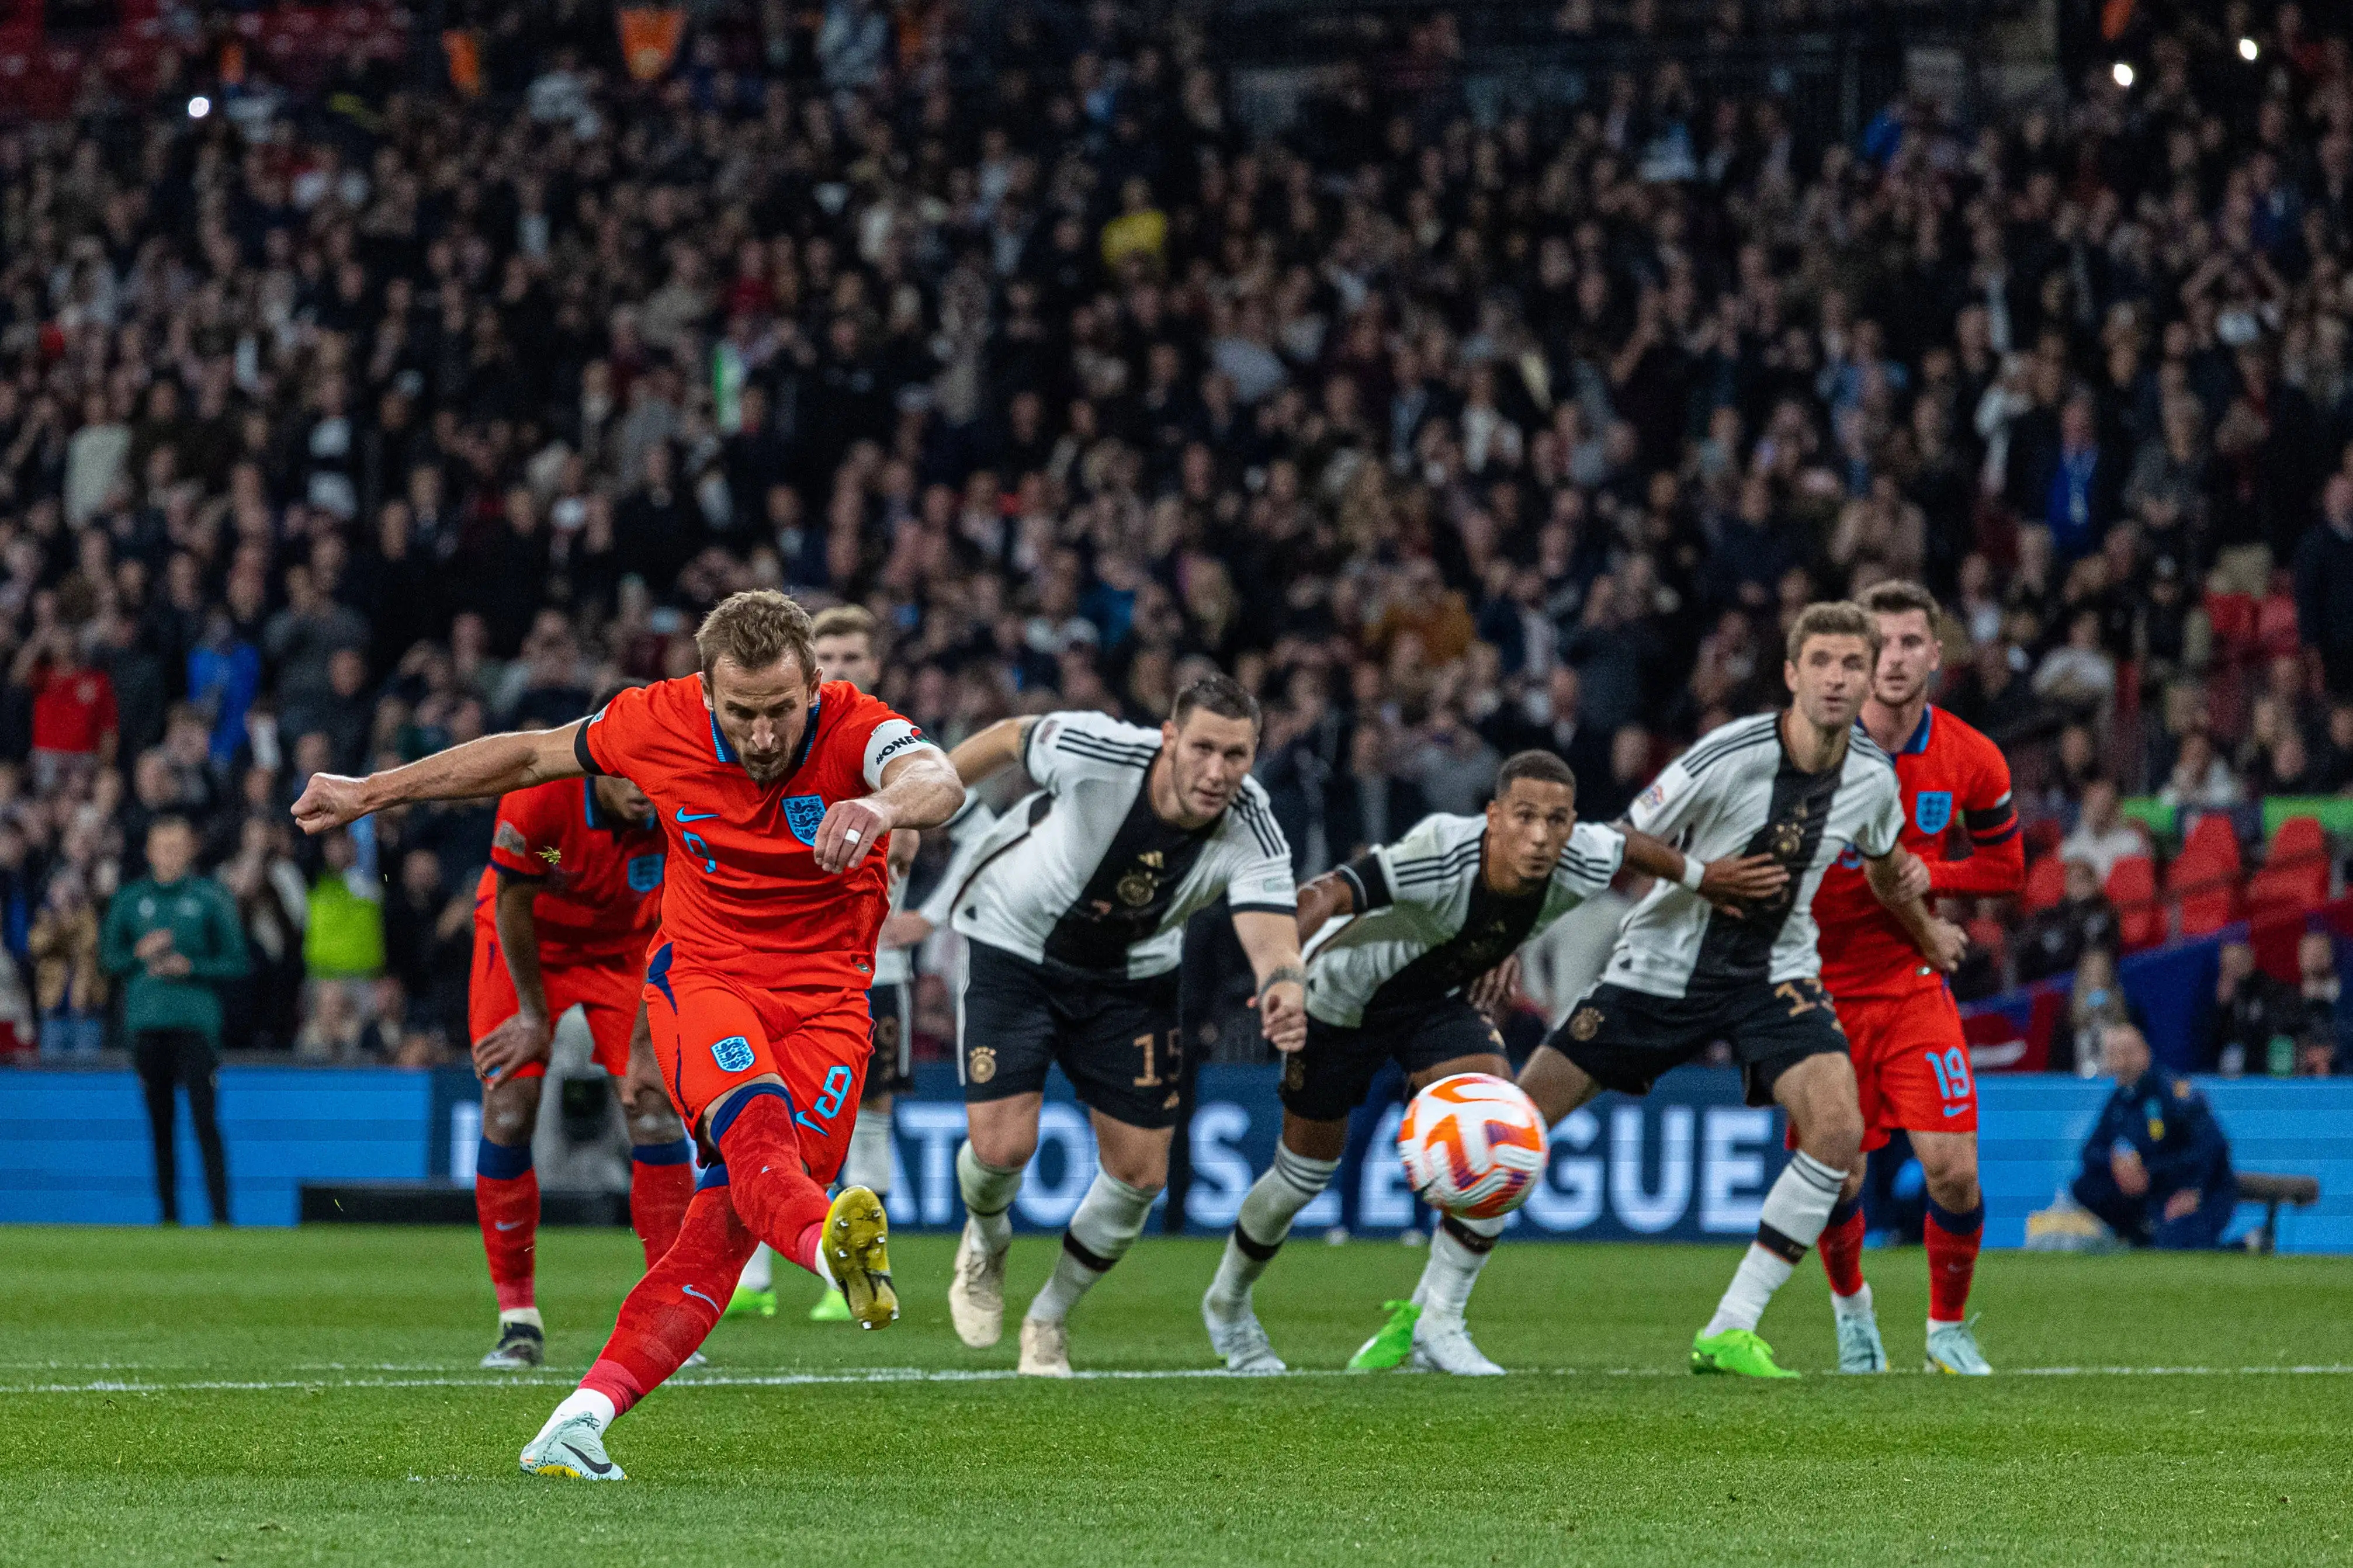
(845, 621)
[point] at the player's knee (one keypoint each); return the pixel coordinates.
(1003, 1148)
(1314, 1140)
(508, 1117)
(1952, 1176)
(1835, 1138)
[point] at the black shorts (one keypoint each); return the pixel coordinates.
(1625, 1039)
(1116, 1040)
(1329, 1076)
(891, 1007)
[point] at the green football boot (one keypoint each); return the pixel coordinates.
(1388, 1349)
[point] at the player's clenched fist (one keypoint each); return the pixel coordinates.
(1282, 1015)
(850, 828)
(330, 800)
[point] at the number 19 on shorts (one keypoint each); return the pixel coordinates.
(1952, 1070)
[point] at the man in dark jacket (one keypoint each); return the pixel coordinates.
(2323, 584)
(2254, 1022)
(2157, 1168)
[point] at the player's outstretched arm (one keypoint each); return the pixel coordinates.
(1271, 940)
(919, 790)
(1897, 885)
(495, 764)
(1730, 884)
(989, 753)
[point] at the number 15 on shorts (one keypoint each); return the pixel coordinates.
(1952, 1070)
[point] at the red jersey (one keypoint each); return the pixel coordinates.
(744, 893)
(1954, 780)
(72, 712)
(600, 878)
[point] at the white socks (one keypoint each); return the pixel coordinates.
(1796, 1209)
(526, 1315)
(989, 1193)
(1458, 1250)
(1110, 1218)
(868, 1162)
(759, 1274)
(1855, 1306)
(1274, 1200)
(586, 1402)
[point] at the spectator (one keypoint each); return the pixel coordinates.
(69, 983)
(343, 942)
(2095, 1002)
(2157, 1168)
(2254, 1021)
(172, 936)
(2103, 835)
(2202, 779)
(2324, 582)
(73, 709)
(2058, 938)
(2325, 1047)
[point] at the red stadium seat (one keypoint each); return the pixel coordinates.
(2204, 878)
(2298, 838)
(2132, 888)
(2297, 889)
(2213, 840)
(2046, 884)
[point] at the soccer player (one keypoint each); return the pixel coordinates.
(843, 637)
(1803, 786)
(1421, 920)
(561, 920)
(1074, 923)
(1911, 1061)
(777, 793)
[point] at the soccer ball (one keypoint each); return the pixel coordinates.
(1474, 1145)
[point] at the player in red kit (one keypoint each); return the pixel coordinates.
(777, 794)
(561, 918)
(1911, 1061)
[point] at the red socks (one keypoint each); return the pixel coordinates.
(661, 1184)
(1952, 1240)
(506, 1202)
(771, 1187)
(1840, 1245)
(672, 1309)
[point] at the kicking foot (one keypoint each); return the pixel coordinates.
(856, 1247)
(1238, 1337)
(1045, 1349)
(573, 1449)
(832, 1307)
(747, 1303)
(1443, 1345)
(1953, 1348)
(520, 1346)
(1387, 1350)
(1735, 1352)
(1860, 1348)
(976, 1294)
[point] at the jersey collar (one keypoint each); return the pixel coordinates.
(595, 819)
(1920, 733)
(726, 752)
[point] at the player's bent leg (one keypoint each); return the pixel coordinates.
(770, 1186)
(1557, 1085)
(1818, 1091)
(506, 1205)
(1306, 1158)
(661, 1161)
(1459, 1250)
(1002, 1135)
(662, 1322)
(1953, 1233)
(1133, 1167)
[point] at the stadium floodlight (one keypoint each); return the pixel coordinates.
(2248, 50)
(199, 106)
(2123, 73)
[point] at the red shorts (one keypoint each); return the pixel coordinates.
(1911, 1065)
(606, 994)
(712, 1033)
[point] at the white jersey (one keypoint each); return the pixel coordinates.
(896, 965)
(1736, 793)
(1085, 876)
(1428, 923)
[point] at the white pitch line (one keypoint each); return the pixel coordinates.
(890, 1375)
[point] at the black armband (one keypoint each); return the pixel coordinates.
(581, 753)
(1367, 883)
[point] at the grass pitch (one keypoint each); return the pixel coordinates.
(310, 1396)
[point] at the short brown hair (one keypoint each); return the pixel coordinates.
(1898, 597)
(1218, 694)
(1540, 765)
(756, 628)
(845, 621)
(1832, 618)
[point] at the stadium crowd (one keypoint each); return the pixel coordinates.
(336, 428)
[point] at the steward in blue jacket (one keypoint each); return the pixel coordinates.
(2157, 1167)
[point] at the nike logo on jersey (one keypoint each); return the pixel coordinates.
(686, 815)
(1954, 1109)
(700, 1297)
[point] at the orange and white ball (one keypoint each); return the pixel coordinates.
(1474, 1145)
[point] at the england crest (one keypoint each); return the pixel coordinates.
(1933, 810)
(802, 814)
